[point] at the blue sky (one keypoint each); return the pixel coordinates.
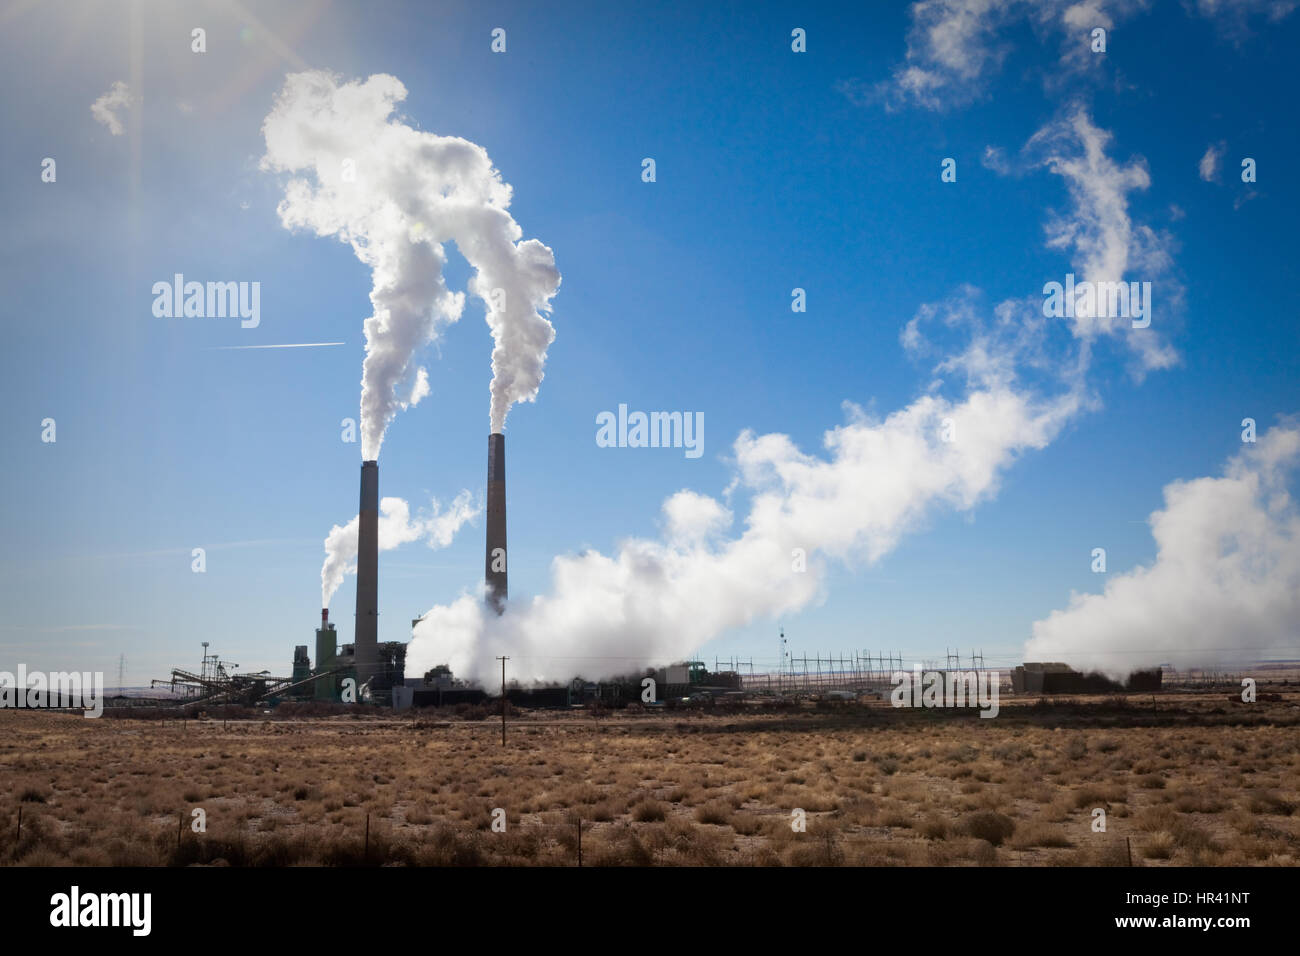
(775, 170)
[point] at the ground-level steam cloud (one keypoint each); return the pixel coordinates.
(1225, 584)
(397, 195)
(656, 600)
(437, 527)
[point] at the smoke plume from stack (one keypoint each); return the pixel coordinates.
(436, 527)
(397, 195)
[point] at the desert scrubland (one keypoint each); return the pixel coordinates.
(1193, 780)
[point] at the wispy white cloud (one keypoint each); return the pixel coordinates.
(1233, 17)
(104, 109)
(1209, 165)
(1104, 243)
(995, 159)
(955, 46)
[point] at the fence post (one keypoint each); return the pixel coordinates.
(180, 828)
(579, 821)
(1128, 842)
(366, 852)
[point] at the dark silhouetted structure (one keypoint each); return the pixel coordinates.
(366, 638)
(494, 564)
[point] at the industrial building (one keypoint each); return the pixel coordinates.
(1053, 677)
(335, 664)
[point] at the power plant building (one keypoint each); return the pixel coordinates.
(326, 652)
(379, 669)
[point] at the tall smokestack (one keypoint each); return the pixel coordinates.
(494, 564)
(366, 640)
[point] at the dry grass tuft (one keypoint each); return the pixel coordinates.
(988, 825)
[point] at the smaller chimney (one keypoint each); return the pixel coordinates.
(324, 617)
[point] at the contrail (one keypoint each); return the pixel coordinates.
(292, 345)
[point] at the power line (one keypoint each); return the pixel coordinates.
(503, 699)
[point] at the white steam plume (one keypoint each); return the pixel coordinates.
(1224, 588)
(397, 195)
(396, 527)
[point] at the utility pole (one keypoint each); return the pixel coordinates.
(503, 699)
(121, 672)
(780, 668)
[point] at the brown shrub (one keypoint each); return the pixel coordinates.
(649, 811)
(933, 827)
(988, 825)
(1040, 834)
(715, 811)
